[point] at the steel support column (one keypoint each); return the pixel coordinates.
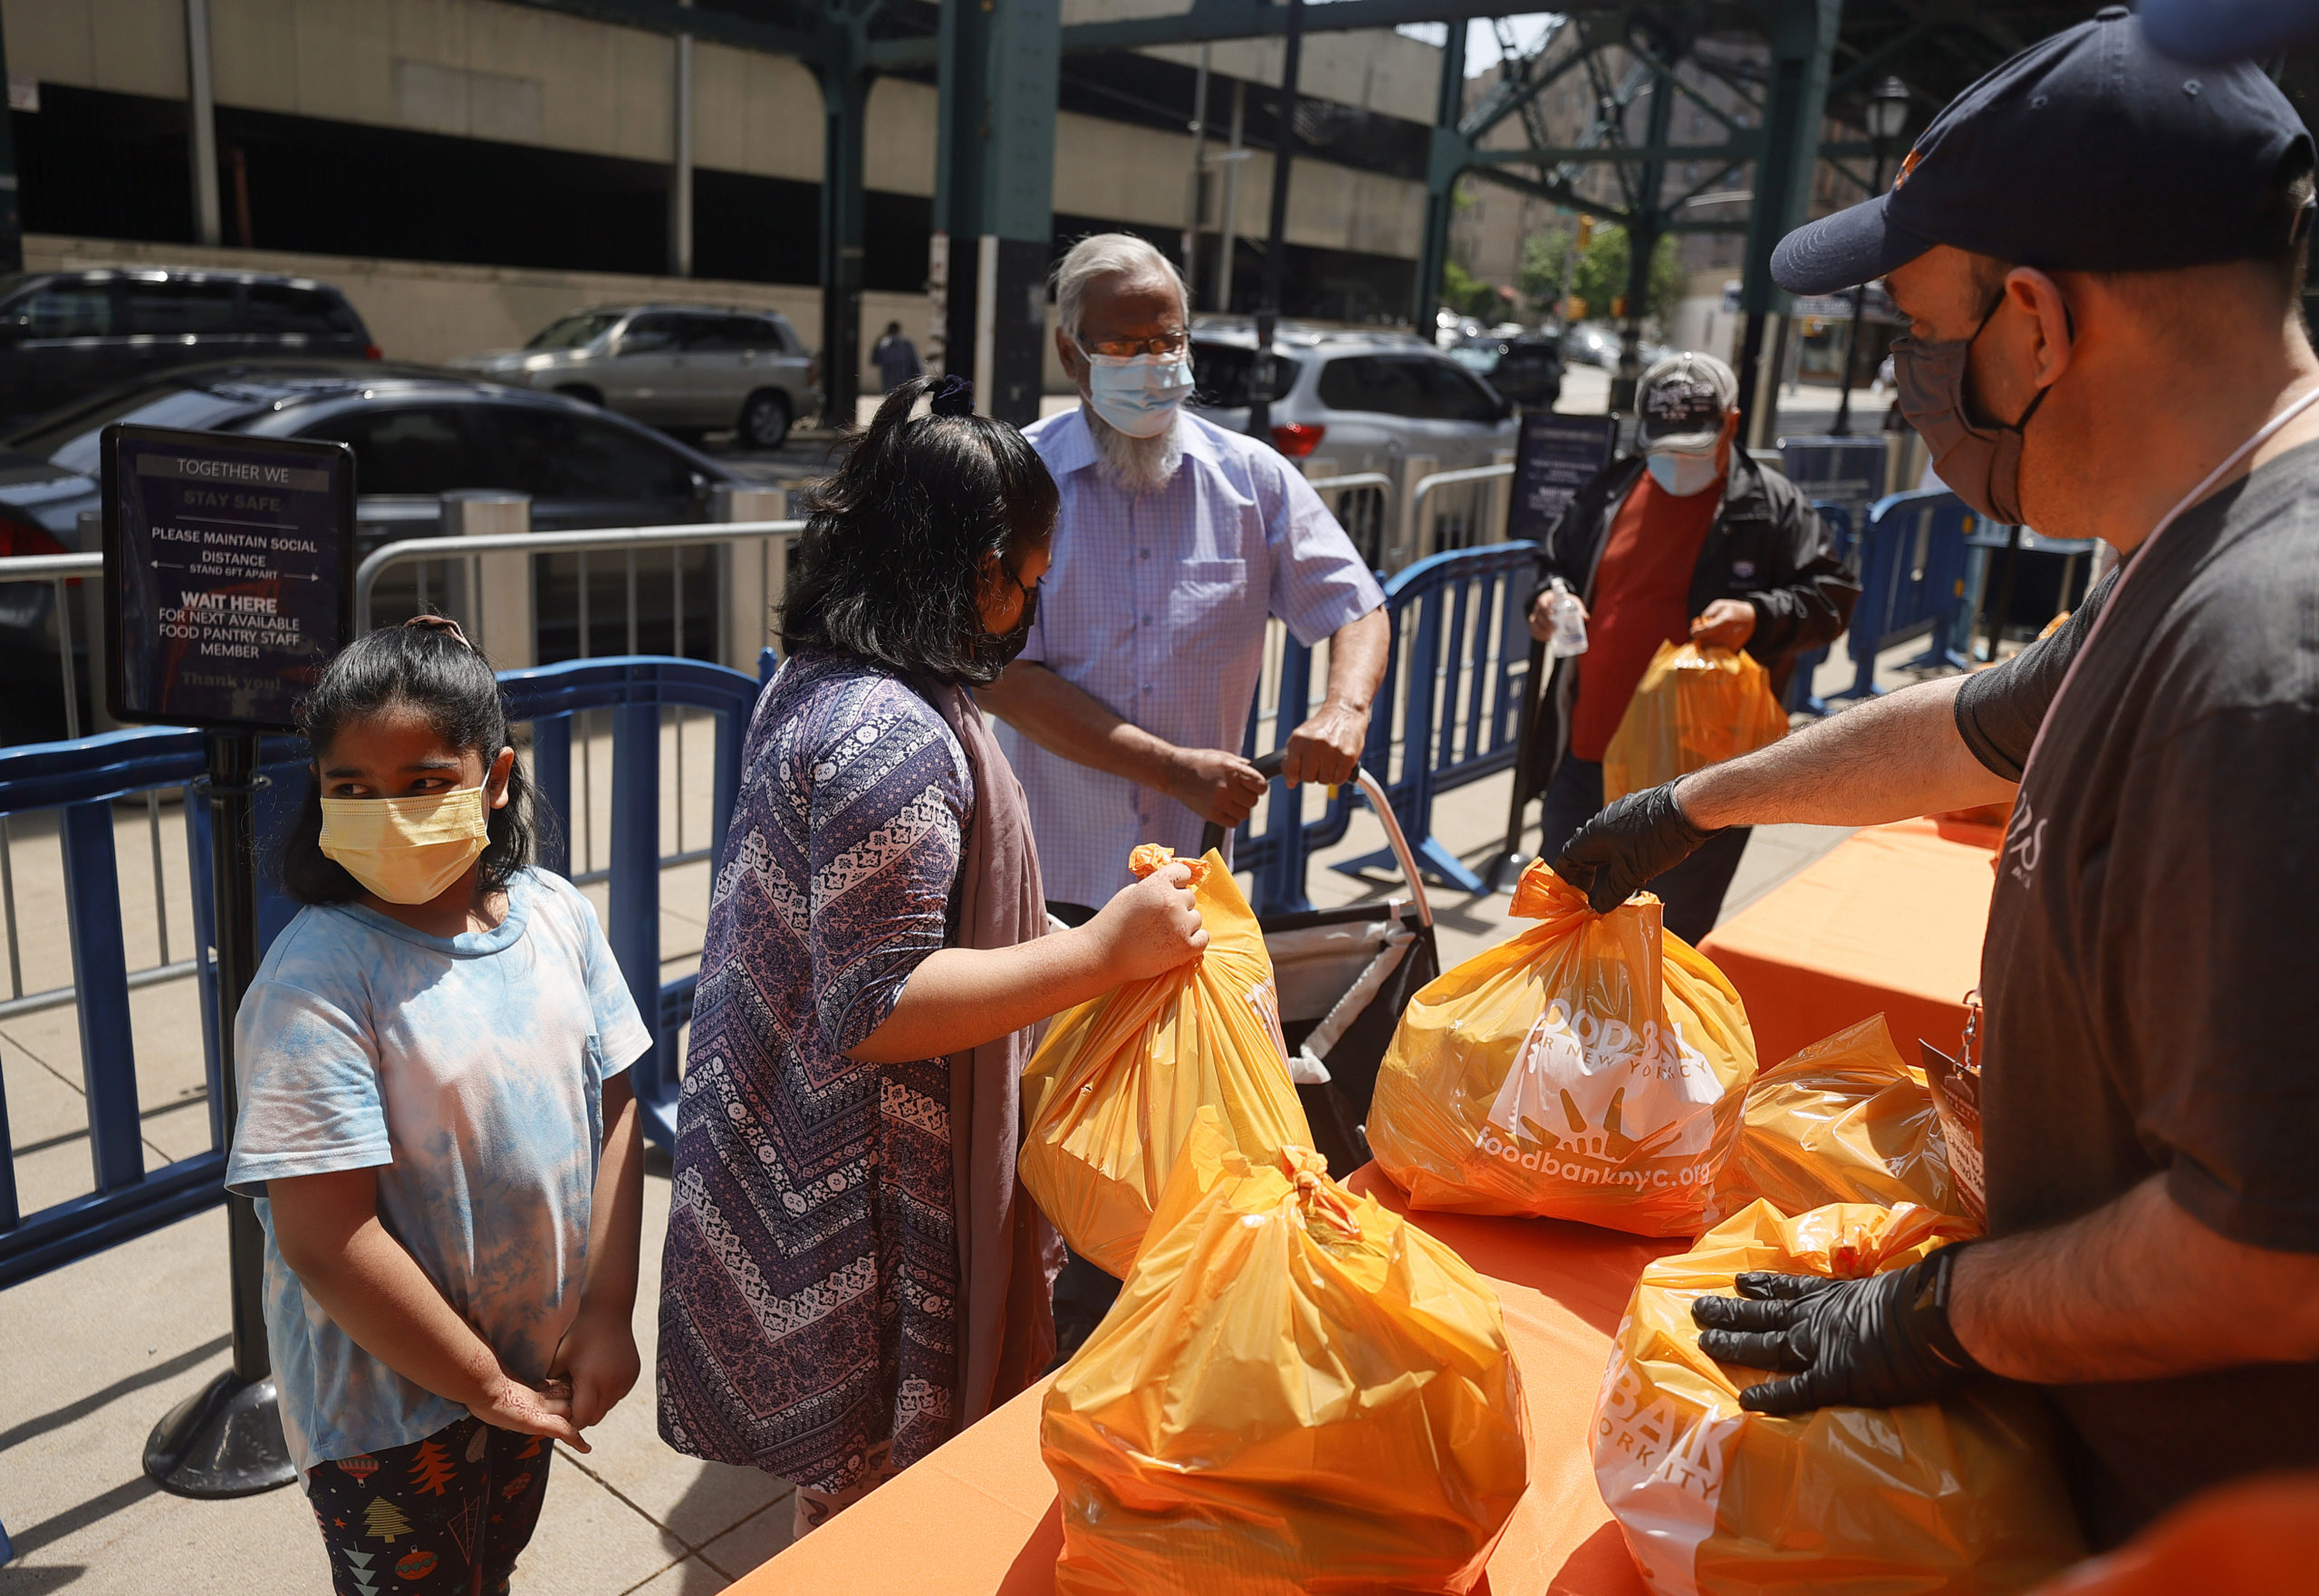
(12, 228)
(680, 159)
(1642, 241)
(994, 199)
(1266, 387)
(1803, 41)
(845, 101)
(1450, 151)
(201, 109)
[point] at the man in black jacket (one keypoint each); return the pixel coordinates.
(1690, 540)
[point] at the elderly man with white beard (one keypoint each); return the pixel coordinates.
(1124, 713)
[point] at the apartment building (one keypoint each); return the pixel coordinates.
(468, 169)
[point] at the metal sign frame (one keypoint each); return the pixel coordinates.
(128, 548)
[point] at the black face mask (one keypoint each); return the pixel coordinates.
(995, 650)
(1979, 465)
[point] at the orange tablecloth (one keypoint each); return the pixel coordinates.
(979, 1515)
(1890, 919)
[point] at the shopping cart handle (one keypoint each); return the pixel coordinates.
(1269, 766)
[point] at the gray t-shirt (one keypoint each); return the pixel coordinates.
(2149, 972)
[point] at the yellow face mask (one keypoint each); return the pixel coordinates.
(406, 850)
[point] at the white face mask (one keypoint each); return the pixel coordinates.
(1683, 475)
(1138, 394)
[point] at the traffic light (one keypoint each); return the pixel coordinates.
(1585, 231)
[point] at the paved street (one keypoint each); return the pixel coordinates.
(99, 1352)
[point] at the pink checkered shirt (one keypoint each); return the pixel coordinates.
(1156, 606)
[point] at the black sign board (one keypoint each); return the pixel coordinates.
(229, 566)
(1553, 460)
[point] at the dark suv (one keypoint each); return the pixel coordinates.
(65, 335)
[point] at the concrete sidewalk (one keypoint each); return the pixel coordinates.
(96, 1354)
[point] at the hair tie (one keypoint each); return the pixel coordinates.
(444, 624)
(952, 395)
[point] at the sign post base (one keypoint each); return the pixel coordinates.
(224, 1440)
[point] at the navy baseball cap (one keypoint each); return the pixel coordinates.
(2229, 30)
(2088, 151)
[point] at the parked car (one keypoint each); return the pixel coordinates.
(65, 335)
(1525, 367)
(1588, 344)
(1360, 400)
(417, 434)
(685, 369)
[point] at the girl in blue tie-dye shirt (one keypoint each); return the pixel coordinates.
(438, 1127)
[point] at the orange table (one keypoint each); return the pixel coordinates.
(980, 1515)
(1890, 919)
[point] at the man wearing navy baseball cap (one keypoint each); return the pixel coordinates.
(2101, 252)
(1685, 540)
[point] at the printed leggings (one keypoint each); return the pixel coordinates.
(447, 1515)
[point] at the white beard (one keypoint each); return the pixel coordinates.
(1137, 464)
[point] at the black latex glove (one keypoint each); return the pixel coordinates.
(1876, 1342)
(1633, 839)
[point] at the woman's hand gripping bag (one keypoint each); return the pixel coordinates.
(1297, 1391)
(1110, 1095)
(1844, 1120)
(1695, 708)
(1958, 1498)
(1591, 1068)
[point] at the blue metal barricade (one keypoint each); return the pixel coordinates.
(1913, 582)
(635, 689)
(1836, 469)
(1447, 714)
(1840, 523)
(81, 780)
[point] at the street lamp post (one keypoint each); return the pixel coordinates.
(1888, 109)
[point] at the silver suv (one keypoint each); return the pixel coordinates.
(1358, 401)
(683, 369)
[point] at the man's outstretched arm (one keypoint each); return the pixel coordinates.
(1889, 759)
(2135, 1289)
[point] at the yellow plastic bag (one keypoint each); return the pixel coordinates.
(1842, 1122)
(1111, 1092)
(1591, 1068)
(1960, 1496)
(1695, 708)
(1297, 1391)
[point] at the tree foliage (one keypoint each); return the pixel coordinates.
(1599, 275)
(1469, 295)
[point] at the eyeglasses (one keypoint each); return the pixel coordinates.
(1167, 343)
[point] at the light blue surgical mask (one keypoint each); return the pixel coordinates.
(1138, 394)
(1682, 475)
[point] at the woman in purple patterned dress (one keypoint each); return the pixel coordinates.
(853, 1273)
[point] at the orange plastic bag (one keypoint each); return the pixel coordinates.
(1298, 1390)
(1842, 1122)
(1695, 708)
(1591, 1068)
(1109, 1094)
(1960, 1496)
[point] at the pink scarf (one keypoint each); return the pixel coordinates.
(1008, 1253)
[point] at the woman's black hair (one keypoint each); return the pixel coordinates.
(447, 680)
(891, 566)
